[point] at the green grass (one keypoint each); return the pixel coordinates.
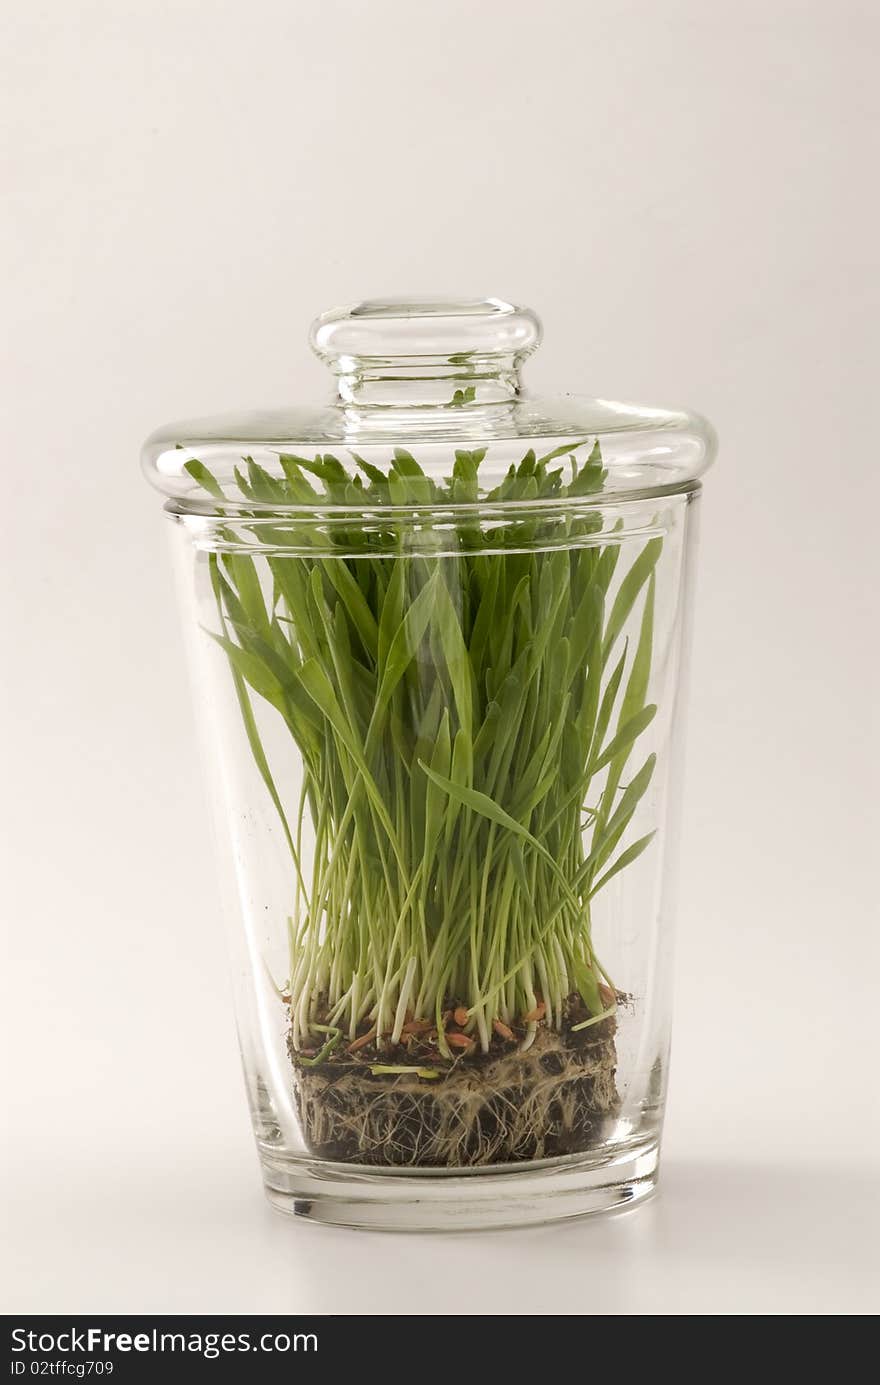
(469, 731)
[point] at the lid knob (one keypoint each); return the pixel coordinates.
(389, 328)
(418, 353)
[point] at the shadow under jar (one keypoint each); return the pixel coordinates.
(439, 629)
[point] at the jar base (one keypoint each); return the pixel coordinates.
(443, 1200)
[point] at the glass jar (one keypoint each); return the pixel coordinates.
(439, 631)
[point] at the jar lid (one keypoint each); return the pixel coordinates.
(418, 382)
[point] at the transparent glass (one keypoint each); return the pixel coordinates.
(439, 660)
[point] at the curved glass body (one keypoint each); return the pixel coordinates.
(439, 669)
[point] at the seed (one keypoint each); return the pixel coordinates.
(362, 1041)
(459, 1041)
(537, 1014)
(417, 1027)
(607, 995)
(461, 1016)
(502, 1030)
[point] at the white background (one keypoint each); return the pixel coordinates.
(679, 189)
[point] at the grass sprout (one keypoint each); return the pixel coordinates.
(469, 729)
